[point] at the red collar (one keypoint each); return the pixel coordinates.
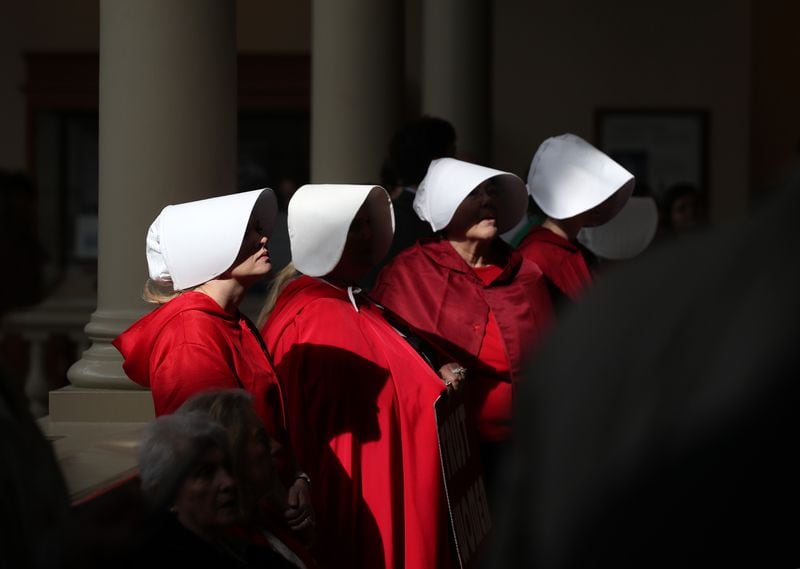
(441, 252)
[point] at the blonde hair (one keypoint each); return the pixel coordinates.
(156, 293)
(231, 408)
(286, 275)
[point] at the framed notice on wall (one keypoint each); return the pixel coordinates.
(659, 147)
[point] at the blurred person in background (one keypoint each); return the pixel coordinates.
(681, 210)
(410, 153)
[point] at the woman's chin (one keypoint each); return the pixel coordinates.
(264, 268)
(484, 231)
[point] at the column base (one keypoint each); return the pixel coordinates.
(79, 404)
(101, 365)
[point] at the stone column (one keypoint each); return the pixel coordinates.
(455, 70)
(167, 135)
(356, 87)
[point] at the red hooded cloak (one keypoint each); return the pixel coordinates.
(189, 345)
(360, 417)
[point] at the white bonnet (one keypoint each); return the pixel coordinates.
(193, 242)
(449, 181)
(569, 176)
(319, 218)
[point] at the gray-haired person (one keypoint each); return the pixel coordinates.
(184, 466)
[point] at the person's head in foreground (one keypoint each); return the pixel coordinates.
(249, 442)
(185, 468)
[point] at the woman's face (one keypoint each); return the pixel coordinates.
(476, 216)
(206, 501)
(253, 261)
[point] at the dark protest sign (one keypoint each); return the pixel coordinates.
(463, 479)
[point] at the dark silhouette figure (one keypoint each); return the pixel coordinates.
(410, 153)
(658, 427)
(20, 249)
(34, 505)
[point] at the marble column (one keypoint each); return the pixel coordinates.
(167, 135)
(455, 70)
(356, 87)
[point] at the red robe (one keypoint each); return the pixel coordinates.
(189, 345)
(432, 288)
(359, 404)
(562, 261)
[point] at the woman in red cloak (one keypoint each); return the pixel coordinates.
(575, 185)
(359, 398)
(202, 256)
(467, 288)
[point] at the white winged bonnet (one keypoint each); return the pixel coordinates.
(568, 176)
(449, 181)
(319, 218)
(193, 242)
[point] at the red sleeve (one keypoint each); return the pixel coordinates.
(189, 369)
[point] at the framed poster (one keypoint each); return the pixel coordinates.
(659, 147)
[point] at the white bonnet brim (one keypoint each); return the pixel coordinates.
(319, 219)
(568, 176)
(193, 242)
(449, 181)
